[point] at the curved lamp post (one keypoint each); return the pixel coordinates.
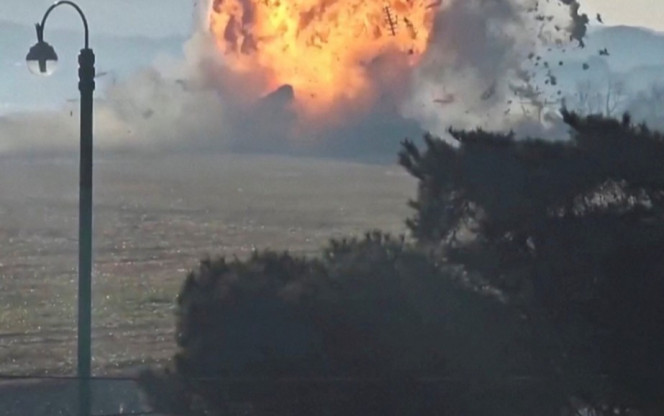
(42, 60)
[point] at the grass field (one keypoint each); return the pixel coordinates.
(155, 217)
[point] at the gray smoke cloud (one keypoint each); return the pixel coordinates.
(469, 76)
(479, 65)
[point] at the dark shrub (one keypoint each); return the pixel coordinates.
(373, 314)
(570, 232)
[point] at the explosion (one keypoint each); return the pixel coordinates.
(322, 48)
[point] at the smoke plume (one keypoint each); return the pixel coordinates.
(473, 73)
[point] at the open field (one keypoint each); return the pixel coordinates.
(154, 219)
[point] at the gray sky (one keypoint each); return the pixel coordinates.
(647, 13)
(155, 18)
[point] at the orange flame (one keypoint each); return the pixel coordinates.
(322, 48)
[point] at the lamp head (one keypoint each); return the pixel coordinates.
(41, 59)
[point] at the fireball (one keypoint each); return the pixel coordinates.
(322, 48)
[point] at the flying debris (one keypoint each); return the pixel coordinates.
(111, 73)
(599, 18)
(489, 92)
(604, 52)
(585, 67)
(391, 20)
(553, 80)
(446, 99)
(411, 28)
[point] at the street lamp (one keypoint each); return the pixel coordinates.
(42, 60)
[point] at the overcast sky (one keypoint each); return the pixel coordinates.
(155, 18)
(159, 18)
(647, 13)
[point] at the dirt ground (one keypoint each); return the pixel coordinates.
(155, 217)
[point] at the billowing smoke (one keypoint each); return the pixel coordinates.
(473, 73)
(478, 72)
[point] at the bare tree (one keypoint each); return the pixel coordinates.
(583, 99)
(615, 97)
(608, 100)
(648, 105)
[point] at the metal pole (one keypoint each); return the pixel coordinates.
(86, 86)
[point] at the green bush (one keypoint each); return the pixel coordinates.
(375, 314)
(570, 232)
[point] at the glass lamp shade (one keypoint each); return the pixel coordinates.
(42, 59)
